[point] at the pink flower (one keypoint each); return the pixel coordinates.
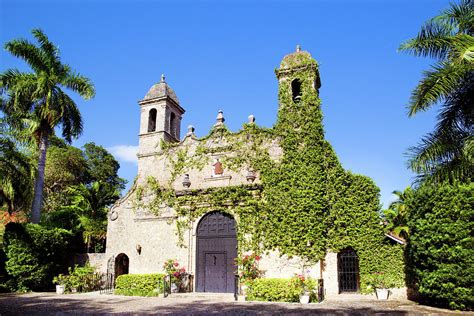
(176, 263)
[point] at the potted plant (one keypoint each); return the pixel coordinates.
(172, 269)
(304, 286)
(381, 284)
(61, 282)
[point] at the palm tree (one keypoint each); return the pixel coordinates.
(91, 204)
(446, 153)
(39, 97)
(16, 174)
(396, 215)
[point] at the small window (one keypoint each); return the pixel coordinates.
(296, 90)
(152, 120)
(173, 124)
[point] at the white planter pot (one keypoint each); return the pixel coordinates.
(174, 288)
(304, 299)
(60, 289)
(382, 294)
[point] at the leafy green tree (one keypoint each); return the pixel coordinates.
(103, 166)
(447, 153)
(66, 166)
(40, 97)
(91, 204)
(396, 215)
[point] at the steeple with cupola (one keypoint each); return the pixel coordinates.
(160, 118)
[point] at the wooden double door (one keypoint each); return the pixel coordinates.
(216, 254)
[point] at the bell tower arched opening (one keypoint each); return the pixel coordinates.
(296, 90)
(152, 120)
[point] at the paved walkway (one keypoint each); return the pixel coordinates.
(77, 304)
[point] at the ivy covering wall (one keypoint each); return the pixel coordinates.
(305, 204)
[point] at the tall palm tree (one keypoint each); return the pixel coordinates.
(446, 153)
(40, 97)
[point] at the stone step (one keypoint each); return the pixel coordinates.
(227, 297)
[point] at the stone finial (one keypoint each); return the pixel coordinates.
(298, 48)
(190, 130)
(220, 118)
(251, 119)
(162, 78)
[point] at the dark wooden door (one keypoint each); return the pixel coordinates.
(215, 272)
(216, 253)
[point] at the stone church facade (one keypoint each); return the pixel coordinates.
(139, 240)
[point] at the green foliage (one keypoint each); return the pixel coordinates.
(65, 167)
(16, 176)
(81, 279)
(440, 250)
(35, 254)
(278, 290)
(91, 205)
(380, 280)
(447, 153)
(139, 284)
(396, 215)
(102, 166)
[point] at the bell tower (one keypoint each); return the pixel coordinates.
(160, 118)
(298, 74)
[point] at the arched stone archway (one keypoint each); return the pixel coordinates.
(216, 253)
(121, 264)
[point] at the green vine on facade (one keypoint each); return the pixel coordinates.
(305, 205)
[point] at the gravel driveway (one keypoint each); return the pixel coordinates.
(97, 304)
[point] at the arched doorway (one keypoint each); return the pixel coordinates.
(216, 253)
(121, 264)
(348, 271)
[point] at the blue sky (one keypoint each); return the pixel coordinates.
(222, 55)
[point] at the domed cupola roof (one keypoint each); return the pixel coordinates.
(161, 90)
(297, 59)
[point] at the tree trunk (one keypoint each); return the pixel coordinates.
(39, 183)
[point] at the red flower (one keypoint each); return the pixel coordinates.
(257, 258)
(176, 264)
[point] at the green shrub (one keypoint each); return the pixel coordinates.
(82, 279)
(35, 254)
(440, 251)
(139, 284)
(276, 290)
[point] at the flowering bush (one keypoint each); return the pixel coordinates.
(171, 267)
(248, 268)
(306, 285)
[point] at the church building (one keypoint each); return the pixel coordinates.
(191, 196)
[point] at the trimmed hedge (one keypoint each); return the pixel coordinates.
(139, 284)
(274, 290)
(440, 251)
